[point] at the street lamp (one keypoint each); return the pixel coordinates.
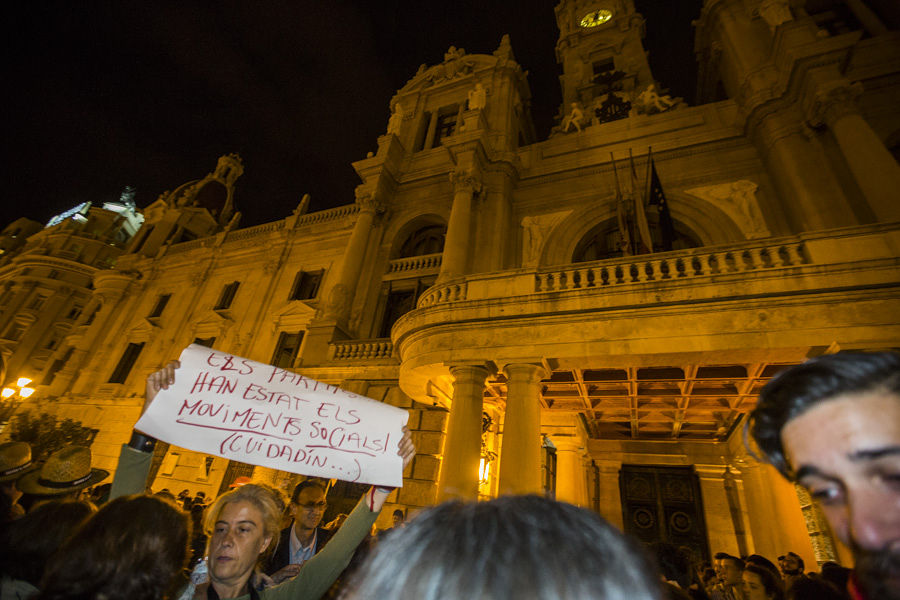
(13, 396)
(21, 390)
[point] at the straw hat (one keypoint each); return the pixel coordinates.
(67, 470)
(15, 460)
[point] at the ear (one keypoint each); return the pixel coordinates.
(265, 544)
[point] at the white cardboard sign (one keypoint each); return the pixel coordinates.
(254, 413)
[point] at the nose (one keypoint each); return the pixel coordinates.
(874, 518)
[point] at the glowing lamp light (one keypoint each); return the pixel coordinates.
(484, 469)
(23, 381)
(7, 392)
(26, 392)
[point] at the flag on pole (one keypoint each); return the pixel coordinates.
(640, 217)
(657, 197)
(621, 213)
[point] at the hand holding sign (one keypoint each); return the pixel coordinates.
(259, 414)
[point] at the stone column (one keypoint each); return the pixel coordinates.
(520, 450)
(432, 127)
(462, 444)
(571, 475)
(340, 297)
(609, 499)
(455, 262)
(812, 195)
(876, 171)
(717, 509)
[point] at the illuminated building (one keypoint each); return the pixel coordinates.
(480, 279)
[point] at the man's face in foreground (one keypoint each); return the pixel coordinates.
(846, 452)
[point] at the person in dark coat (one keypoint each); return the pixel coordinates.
(304, 538)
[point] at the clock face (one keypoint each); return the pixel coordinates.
(596, 17)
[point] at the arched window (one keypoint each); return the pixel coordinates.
(605, 241)
(426, 240)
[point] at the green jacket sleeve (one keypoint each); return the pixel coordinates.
(319, 572)
(131, 472)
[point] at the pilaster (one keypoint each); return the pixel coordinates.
(874, 168)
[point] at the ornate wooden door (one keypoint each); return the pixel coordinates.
(663, 504)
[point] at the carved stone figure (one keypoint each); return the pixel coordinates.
(650, 102)
(775, 12)
(575, 117)
(738, 200)
(536, 229)
(477, 97)
(396, 119)
(504, 51)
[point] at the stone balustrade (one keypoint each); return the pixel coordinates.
(362, 349)
(331, 214)
(711, 264)
(696, 262)
(415, 263)
(450, 292)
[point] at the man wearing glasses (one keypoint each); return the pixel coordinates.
(299, 542)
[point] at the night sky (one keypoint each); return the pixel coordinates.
(100, 95)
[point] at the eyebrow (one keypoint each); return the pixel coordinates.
(861, 455)
(858, 456)
(238, 523)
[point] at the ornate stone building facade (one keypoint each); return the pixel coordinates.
(494, 285)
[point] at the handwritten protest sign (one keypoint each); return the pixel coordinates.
(243, 410)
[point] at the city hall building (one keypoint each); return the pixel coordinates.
(589, 316)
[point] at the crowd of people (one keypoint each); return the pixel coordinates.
(831, 424)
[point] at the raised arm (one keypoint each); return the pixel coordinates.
(319, 573)
(135, 457)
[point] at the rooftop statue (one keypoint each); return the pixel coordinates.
(477, 97)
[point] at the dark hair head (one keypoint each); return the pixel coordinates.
(835, 574)
(133, 548)
(673, 563)
(306, 483)
(813, 588)
(30, 541)
(770, 580)
(761, 561)
(792, 392)
(503, 549)
(725, 556)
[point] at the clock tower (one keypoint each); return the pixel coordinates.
(600, 50)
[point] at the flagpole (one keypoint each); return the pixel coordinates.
(622, 220)
(640, 217)
(649, 160)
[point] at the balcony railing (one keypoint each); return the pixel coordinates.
(730, 260)
(683, 265)
(415, 263)
(362, 349)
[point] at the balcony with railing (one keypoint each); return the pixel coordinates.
(811, 289)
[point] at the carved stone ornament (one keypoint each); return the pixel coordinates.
(477, 97)
(574, 118)
(367, 201)
(465, 180)
(775, 12)
(649, 101)
(396, 119)
(534, 237)
(738, 200)
(833, 102)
